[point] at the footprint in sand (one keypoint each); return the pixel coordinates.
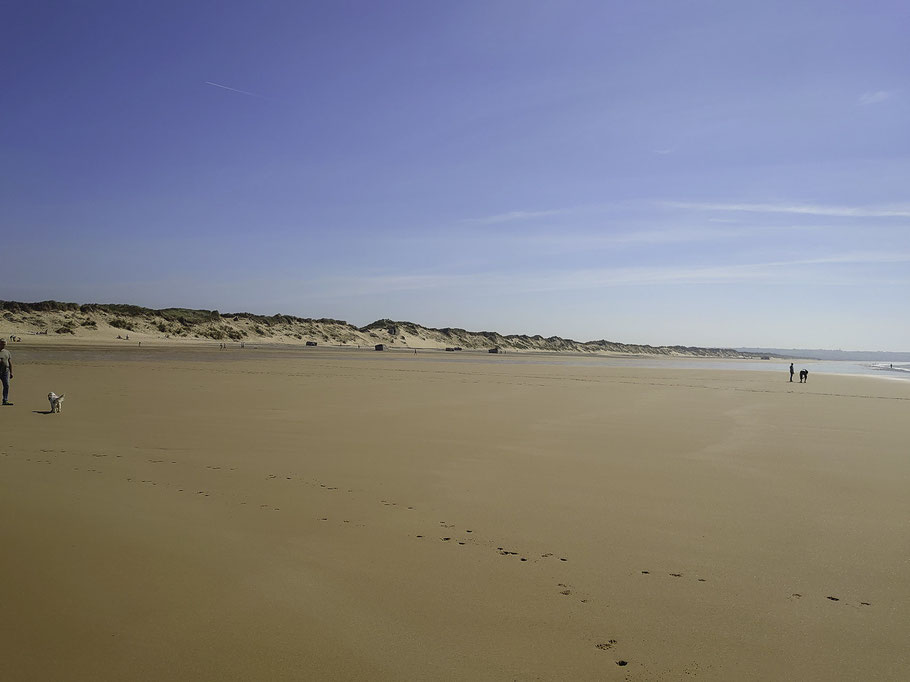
(833, 598)
(606, 646)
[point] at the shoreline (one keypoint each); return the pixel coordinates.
(180, 349)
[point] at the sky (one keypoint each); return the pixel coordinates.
(681, 172)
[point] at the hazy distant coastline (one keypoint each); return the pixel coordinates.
(99, 321)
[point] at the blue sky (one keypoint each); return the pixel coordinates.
(702, 173)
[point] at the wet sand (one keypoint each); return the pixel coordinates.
(285, 515)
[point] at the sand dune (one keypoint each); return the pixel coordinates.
(51, 321)
(202, 514)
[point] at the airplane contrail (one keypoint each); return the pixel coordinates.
(242, 92)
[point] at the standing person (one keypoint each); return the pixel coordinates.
(791, 372)
(6, 370)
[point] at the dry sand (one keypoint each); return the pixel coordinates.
(197, 514)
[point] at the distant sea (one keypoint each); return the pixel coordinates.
(882, 370)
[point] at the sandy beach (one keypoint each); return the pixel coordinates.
(198, 514)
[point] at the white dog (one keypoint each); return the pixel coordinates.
(56, 401)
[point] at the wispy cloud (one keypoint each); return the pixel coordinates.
(854, 257)
(563, 241)
(890, 211)
(515, 216)
(381, 284)
(803, 271)
(664, 151)
(242, 92)
(765, 272)
(876, 96)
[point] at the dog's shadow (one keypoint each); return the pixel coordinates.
(42, 412)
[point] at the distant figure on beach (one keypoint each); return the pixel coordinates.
(791, 372)
(6, 370)
(803, 376)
